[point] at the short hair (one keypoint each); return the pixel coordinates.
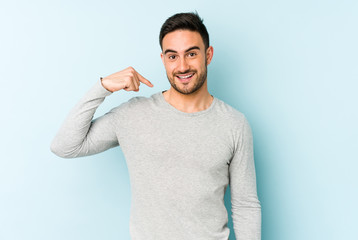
(184, 21)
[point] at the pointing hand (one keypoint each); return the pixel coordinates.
(127, 79)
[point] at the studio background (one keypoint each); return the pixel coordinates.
(289, 66)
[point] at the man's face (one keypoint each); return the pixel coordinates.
(185, 60)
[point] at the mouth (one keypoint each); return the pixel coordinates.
(184, 78)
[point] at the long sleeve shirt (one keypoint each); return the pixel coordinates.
(180, 164)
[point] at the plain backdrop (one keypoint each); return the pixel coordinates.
(290, 66)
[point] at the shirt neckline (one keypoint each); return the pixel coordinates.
(175, 110)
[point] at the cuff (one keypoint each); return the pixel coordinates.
(102, 89)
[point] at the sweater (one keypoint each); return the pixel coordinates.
(180, 164)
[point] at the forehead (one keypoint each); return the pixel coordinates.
(181, 40)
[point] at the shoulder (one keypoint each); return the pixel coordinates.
(233, 123)
(239, 125)
(136, 101)
(134, 104)
(231, 115)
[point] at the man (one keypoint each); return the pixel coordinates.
(183, 146)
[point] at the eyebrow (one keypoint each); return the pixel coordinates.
(189, 49)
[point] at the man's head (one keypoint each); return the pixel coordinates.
(184, 21)
(185, 52)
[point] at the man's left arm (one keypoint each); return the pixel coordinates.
(246, 208)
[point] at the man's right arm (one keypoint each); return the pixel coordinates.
(79, 135)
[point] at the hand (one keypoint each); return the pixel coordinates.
(127, 79)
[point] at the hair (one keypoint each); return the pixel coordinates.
(184, 21)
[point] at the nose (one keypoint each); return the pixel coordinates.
(183, 65)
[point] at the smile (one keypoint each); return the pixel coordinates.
(185, 78)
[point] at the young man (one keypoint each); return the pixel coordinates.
(183, 146)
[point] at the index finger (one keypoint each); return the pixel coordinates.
(144, 80)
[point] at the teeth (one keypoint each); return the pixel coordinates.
(187, 76)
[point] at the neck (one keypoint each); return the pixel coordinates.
(194, 102)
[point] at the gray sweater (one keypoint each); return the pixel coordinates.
(179, 164)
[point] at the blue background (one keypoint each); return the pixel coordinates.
(290, 66)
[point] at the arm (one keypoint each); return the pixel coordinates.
(81, 136)
(246, 208)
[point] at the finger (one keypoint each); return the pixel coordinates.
(144, 80)
(135, 81)
(128, 84)
(134, 84)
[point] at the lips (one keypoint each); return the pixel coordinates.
(184, 78)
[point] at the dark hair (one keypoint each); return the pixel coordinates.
(184, 21)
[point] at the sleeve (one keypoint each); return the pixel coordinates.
(79, 135)
(246, 208)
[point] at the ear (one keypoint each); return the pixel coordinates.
(162, 57)
(209, 54)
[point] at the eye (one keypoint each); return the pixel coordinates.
(192, 54)
(172, 57)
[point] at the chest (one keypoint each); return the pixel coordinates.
(198, 144)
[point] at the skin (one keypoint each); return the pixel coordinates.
(128, 79)
(183, 53)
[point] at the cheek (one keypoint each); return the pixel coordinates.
(198, 63)
(197, 67)
(170, 68)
